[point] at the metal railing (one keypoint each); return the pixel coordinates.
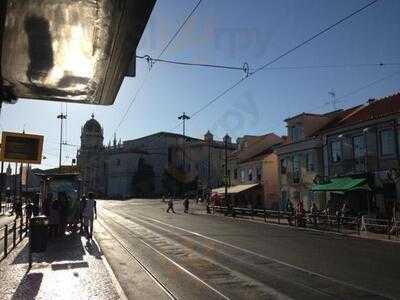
(318, 221)
(11, 235)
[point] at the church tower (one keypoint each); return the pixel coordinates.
(92, 135)
(90, 158)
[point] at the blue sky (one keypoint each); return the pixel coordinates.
(232, 33)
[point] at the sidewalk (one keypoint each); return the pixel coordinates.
(200, 208)
(67, 270)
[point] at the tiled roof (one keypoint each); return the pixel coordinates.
(372, 110)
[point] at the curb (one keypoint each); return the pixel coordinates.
(114, 279)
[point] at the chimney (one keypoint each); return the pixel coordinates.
(371, 100)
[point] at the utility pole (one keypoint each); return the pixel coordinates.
(61, 117)
(184, 117)
(226, 168)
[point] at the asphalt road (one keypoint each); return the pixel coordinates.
(200, 256)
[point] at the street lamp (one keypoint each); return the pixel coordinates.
(75, 51)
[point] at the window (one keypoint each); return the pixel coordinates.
(309, 162)
(336, 151)
(296, 132)
(296, 168)
(235, 173)
(118, 162)
(283, 166)
(359, 146)
(296, 164)
(388, 144)
(250, 174)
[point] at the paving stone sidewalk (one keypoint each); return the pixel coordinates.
(69, 269)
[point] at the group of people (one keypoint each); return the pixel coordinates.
(60, 218)
(171, 204)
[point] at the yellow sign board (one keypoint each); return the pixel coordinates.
(21, 147)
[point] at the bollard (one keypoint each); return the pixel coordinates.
(338, 224)
(14, 233)
(279, 217)
(358, 225)
(265, 216)
(5, 240)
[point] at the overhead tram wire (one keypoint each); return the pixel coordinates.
(245, 68)
(169, 43)
(266, 65)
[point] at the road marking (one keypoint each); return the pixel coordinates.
(182, 268)
(271, 259)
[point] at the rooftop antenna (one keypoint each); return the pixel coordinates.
(332, 93)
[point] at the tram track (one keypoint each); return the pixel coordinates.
(143, 267)
(170, 293)
(315, 283)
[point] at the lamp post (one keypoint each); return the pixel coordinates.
(226, 166)
(184, 117)
(62, 117)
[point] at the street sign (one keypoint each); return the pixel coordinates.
(21, 148)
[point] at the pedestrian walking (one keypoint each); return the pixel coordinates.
(89, 213)
(171, 205)
(186, 204)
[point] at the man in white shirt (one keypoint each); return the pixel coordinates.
(89, 212)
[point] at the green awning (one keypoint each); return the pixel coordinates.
(343, 184)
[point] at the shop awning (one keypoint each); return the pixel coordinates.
(235, 189)
(343, 184)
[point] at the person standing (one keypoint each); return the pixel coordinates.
(186, 205)
(28, 211)
(54, 218)
(89, 213)
(18, 209)
(171, 205)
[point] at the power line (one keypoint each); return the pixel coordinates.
(151, 60)
(315, 36)
(305, 42)
(342, 99)
(171, 40)
(245, 68)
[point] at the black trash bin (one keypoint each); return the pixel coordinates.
(39, 234)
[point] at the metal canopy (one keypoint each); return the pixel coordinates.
(343, 184)
(235, 189)
(70, 50)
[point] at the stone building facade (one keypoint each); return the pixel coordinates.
(109, 170)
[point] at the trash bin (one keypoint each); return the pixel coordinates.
(39, 233)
